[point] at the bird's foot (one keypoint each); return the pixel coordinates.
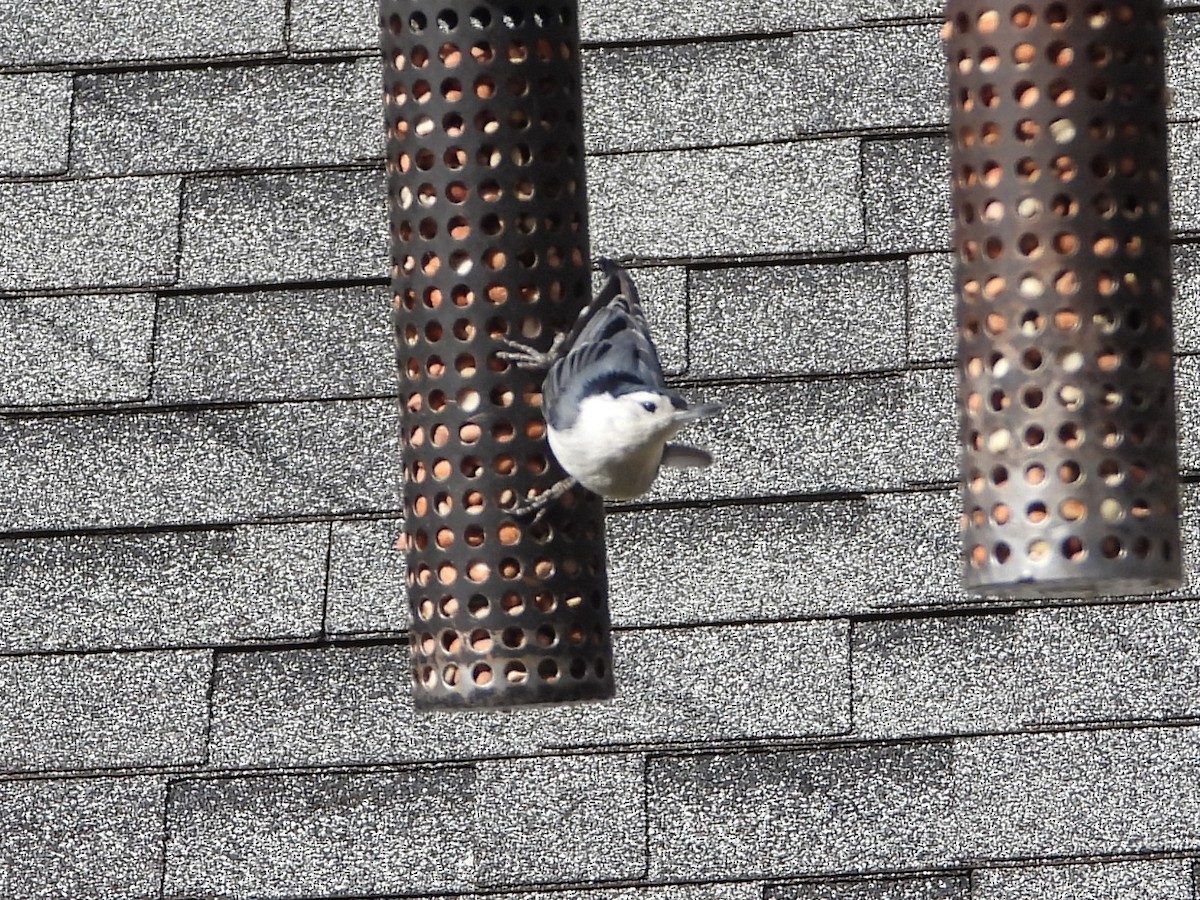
(525, 357)
(540, 504)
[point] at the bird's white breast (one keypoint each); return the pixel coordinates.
(604, 454)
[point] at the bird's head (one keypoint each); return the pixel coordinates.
(646, 416)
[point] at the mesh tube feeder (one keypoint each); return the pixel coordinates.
(1066, 395)
(488, 217)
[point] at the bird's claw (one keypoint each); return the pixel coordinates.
(540, 504)
(525, 357)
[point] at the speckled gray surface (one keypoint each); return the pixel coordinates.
(108, 710)
(90, 838)
(365, 591)
(162, 589)
(938, 888)
(1187, 406)
(221, 465)
(274, 345)
(90, 349)
(745, 890)
(931, 417)
(311, 226)
(931, 326)
(1167, 879)
(770, 198)
(323, 25)
(787, 813)
(1184, 147)
(35, 119)
(820, 558)
(1029, 669)
(802, 320)
(584, 823)
(627, 20)
(887, 78)
(1183, 75)
(318, 835)
(103, 233)
(334, 706)
(805, 437)
(41, 32)
(198, 120)
(1081, 793)
(666, 97)
(906, 190)
(1186, 265)
(202, 610)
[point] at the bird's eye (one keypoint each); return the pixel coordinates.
(649, 407)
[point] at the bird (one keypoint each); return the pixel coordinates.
(610, 416)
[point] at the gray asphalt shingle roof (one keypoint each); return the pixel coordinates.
(203, 651)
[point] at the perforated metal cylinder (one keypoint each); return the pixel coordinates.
(488, 216)
(1059, 154)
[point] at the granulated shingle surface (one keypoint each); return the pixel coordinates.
(1167, 879)
(78, 349)
(225, 465)
(103, 710)
(135, 122)
(352, 705)
(317, 834)
(162, 589)
(940, 888)
(711, 202)
(82, 837)
(35, 119)
(205, 675)
(820, 318)
(105, 233)
(274, 345)
(314, 226)
(40, 32)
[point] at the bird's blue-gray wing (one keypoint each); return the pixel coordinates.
(610, 351)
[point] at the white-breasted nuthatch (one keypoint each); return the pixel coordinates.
(610, 416)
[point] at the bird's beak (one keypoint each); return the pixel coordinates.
(695, 413)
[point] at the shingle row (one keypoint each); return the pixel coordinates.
(1168, 879)
(252, 116)
(198, 466)
(946, 887)
(166, 589)
(570, 819)
(863, 434)
(125, 232)
(576, 819)
(353, 705)
(268, 345)
(923, 805)
(1031, 669)
(260, 115)
(821, 198)
(891, 78)
(164, 29)
(730, 201)
(847, 317)
(97, 711)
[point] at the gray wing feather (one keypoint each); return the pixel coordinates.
(609, 349)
